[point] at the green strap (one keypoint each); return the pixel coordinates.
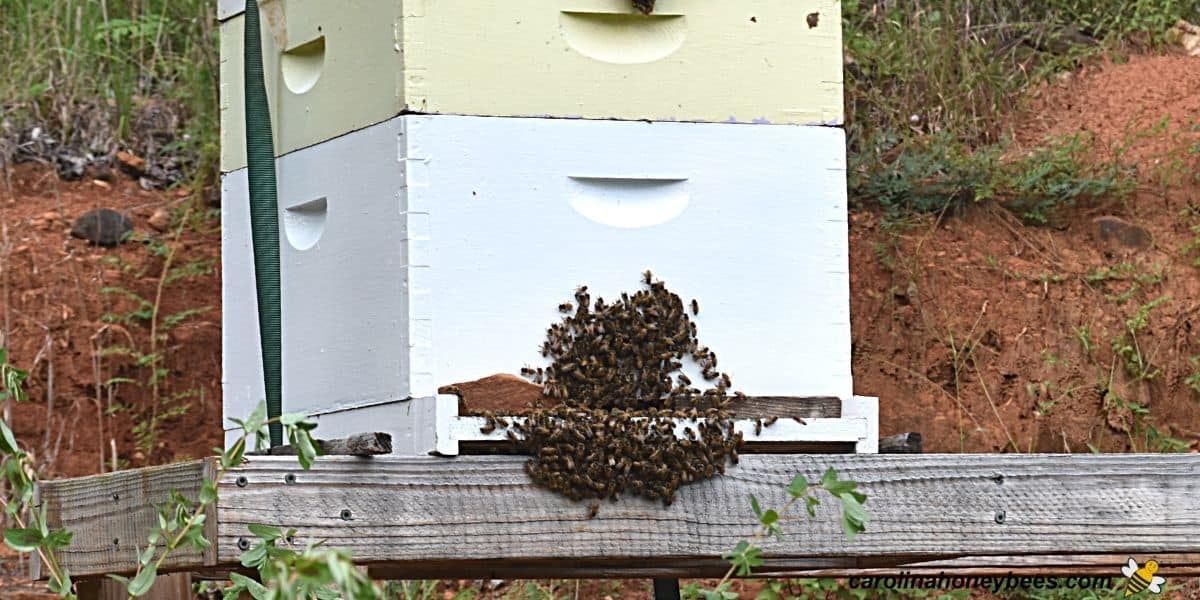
(264, 218)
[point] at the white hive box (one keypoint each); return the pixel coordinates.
(335, 67)
(431, 250)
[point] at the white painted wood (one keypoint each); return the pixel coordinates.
(853, 429)
(346, 339)
(230, 8)
(432, 250)
(332, 69)
(447, 413)
(411, 423)
(866, 409)
(762, 242)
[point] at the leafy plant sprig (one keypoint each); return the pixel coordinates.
(180, 520)
(284, 573)
(747, 555)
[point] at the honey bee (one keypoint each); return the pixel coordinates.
(489, 423)
(647, 277)
(593, 510)
(695, 307)
(566, 307)
(771, 421)
(758, 425)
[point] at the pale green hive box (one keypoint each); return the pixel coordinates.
(336, 67)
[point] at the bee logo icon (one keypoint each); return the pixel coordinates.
(1142, 578)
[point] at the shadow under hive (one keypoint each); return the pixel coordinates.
(616, 372)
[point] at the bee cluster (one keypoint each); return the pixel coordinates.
(615, 371)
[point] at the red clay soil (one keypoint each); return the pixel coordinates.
(981, 333)
(58, 320)
(988, 336)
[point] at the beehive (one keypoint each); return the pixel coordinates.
(430, 250)
(336, 67)
(425, 250)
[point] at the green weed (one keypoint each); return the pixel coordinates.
(930, 92)
(87, 68)
(1127, 347)
(149, 358)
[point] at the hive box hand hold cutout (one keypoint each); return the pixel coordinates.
(431, 250)
(332, 70)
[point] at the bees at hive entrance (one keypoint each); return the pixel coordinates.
(615, 370)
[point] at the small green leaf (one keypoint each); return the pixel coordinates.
(147, 556)
(799, 486)
(853, 517)
(64, 587)
(142, 581)
(829, 477)
(757, 509)
(23, 540)
(830, 482)
(744, 557)
(208, 492)
(257, 590)
(257, 419)
(255, 556)
(266, 532)
(291, 419)
(306, 451)
(6, 437)
(58, 540)
(232, 458)
(810, 504)
(769, 518)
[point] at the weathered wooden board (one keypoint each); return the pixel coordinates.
(330, 71)
(425, 517)
(435, 249)
(111, 515)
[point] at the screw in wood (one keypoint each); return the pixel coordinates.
(242, 482)
(116, 497)
(289, 479)
(1001, 517)
(243, 544)
(116, 542)
(346, 514)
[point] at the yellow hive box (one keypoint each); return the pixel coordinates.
(335, 67)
